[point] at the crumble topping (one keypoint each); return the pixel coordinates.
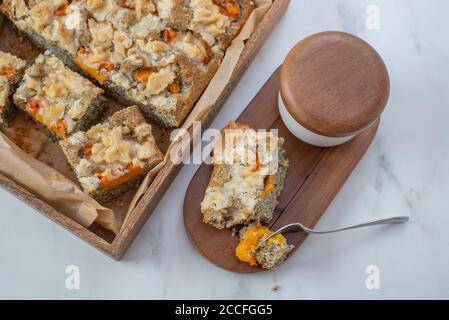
(54, 95)
(11, 68)
(208, 20)
(4, 92)
(111, 153)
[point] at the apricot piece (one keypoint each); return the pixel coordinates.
(107, 65)
(60, 128)
(62, 10)
(8, 72)
(228, 8)
(207, 53)
(174, 87)
(143, 74)
(132, 172)
(33, 106)
(125, 4)
(87, 151)
(269, 184)
(169, 34)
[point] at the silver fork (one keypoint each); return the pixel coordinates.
(297, 227)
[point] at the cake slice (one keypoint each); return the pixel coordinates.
(11, 71)
(114, 156)
(268, 255)
(58, 98)
(247, 178)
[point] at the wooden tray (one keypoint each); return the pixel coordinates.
(313, 179)
(115, 246)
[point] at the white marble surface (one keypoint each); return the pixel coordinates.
(406, 171)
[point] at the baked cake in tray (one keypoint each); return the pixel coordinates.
(268, 254)
(11, 71)
(247, 177)
(157, 54)
(114, 156)
(58, 98)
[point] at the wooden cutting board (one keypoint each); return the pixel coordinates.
(313, 179)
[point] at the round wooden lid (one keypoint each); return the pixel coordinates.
(334, 84)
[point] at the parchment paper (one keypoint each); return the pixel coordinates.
(53, 188)
(64, 195)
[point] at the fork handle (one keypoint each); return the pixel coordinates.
(392, 220)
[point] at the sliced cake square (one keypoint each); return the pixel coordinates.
(247, 177)
(11, 71)
(114, 156)
(58, 98)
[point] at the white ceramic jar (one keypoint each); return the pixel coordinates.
(333, 86)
